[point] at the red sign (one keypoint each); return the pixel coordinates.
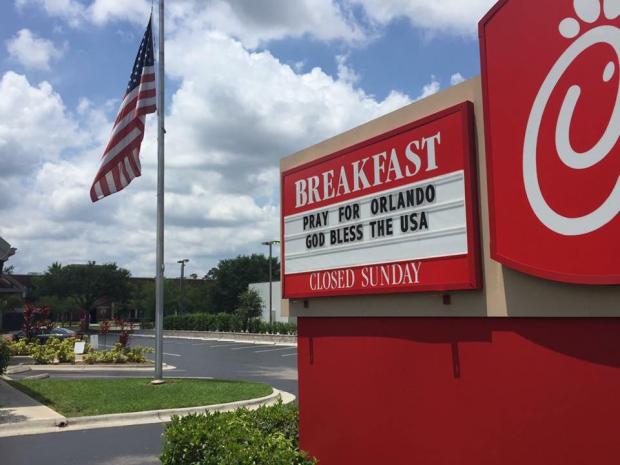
(397, 213)
(552, 120)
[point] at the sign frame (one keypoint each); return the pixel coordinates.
(495, 253)
(471, 203)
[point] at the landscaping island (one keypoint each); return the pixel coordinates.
(86, 397)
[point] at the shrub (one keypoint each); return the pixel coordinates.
(44, 354)
(281, 418)
(91, 357)
(137, 354)
(20, 347)
(65, 352)
(118, 354)
(267, 436)
(222, 322)
(225, 322)
(250, 307)
(5, 355)
(53, 351)
(57, 351)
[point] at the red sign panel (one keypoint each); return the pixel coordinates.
(397, 213)
(552, 121)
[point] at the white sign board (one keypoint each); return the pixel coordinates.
(79, 347)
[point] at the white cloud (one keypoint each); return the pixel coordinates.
(34, 125)
(270, 110)
(345, 72)
(71, 11)
(456, 78)
(31, 51)
(430, 88)
(76, 13)
(451, 16)
(103, 11)
(255, 23)
(252, 22)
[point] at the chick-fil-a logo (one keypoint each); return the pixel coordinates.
(551, 93)
(587, 11)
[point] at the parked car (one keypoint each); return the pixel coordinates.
(43, 335)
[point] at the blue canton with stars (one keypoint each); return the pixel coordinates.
(144, 58)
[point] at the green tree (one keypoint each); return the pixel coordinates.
(232, 276)
(198, 296)
(86, 285)
(61, 308)
(250, 306)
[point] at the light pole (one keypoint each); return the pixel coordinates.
(270, 244)
(182, 300)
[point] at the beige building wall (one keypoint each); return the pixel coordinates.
(505, 292)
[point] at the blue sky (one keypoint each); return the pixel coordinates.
(247, 83)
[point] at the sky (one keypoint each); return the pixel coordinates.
(248, 82)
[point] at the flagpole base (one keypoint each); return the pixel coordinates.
(157, 382)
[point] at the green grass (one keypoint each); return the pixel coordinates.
(76, 398)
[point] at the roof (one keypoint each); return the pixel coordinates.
(9, 285)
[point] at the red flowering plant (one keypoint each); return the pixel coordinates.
(36, 319)
(125, 328)
(83, 322)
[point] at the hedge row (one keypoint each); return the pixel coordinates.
(266, 436)
(225, 322)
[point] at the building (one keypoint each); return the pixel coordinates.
(279, 306)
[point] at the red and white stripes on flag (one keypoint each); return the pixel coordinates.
(120, 161)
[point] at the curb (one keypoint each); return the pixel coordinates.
(280, 339)
(158, 416)
(139, 418)
(95, 367)
(26, 427)
(39, 376)
(17, 369)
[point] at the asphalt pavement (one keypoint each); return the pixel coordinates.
(136, 445)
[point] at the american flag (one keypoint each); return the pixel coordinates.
(120, 161)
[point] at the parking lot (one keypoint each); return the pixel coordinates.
(268, 363)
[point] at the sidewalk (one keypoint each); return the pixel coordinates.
(19, 411)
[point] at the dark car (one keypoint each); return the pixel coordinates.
(43, 335)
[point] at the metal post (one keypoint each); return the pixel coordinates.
(181, 285)
(270, 244)
(159, 267)
(182, 296)
(270, 287)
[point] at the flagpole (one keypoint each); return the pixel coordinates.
(159, 256)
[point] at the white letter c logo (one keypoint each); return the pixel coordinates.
(606, 212)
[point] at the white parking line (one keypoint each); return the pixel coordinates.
(250, 346)
(289, 355)
(173, 355)
(229, 347)
(272, 350)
